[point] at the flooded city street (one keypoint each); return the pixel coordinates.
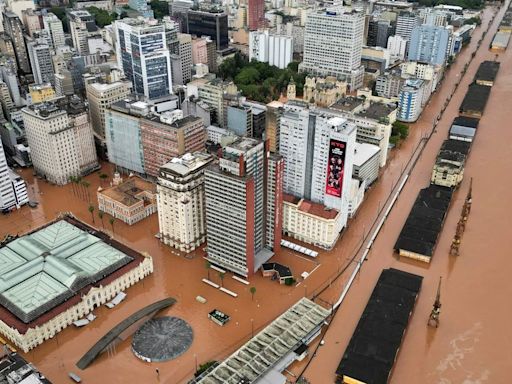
(473, 340)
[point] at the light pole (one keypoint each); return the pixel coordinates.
(252, 328)
(305, 290)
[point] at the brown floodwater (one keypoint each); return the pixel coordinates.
(472, 342)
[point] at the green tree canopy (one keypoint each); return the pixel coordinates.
(160, 8)
(101, 16)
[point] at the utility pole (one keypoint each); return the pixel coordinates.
(433, 320)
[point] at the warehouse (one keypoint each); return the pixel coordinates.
(419, 235)
(487, 72)
(500, 41)
(475, 100)
(463, 129)
(373, 348)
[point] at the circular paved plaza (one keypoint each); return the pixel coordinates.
(162, 339)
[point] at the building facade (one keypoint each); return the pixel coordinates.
(271, 48)
(81, 24)
(212, 23)
(181, 201)
(411, 101)
(272, 124)
(13, 27)
(429, 44)
(366, 163)
(255, 14)
(55, 30)
(41, 61)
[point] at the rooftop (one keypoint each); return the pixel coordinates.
(347, 104)
(364, 152)
(456, 146)
(475, 99)
(315, 209)
(52, 266)
(269, 346)
(378, 111)
(463, 121)
(187, 164)
(14, 369)
(487, 71)
(130, 191)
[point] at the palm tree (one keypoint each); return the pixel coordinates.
(103, 177)
(91, 210)
(78, 182)
(111, 221)
(222, 275)
(207, 265)
(100, 215)
(86, 185)
(72, 181)
(253, 291)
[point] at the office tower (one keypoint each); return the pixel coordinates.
(144, 57)
(13, 27)
(64, 83)
(60, 138)
(378, 33)
(41, 61)
(274, 201)
(178, 10)
(181, 60)
(100, 97)
(10, 78)
(397, 46)
(429, 44)
(333, 43)
(237, 207)
(167, 136)
(318, 149)
(32, 20)
(212, 93)
(272, 124)
(81, 24)
(142, 7)
(239, 120)
(271, 48)
(411, 100)
(255, 14)
(200, 48)
(7, 197)
(53, 25)
(213, 23)
(181, 201)
(405, 23)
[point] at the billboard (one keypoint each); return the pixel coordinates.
(335, 167)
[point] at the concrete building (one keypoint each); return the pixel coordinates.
(181, 201)
(318, 148)
(388, 85)
(411, 100)
(146, 64)
(323, 91)
(123, 135)
(166, 136)
(366, 163)
(78, 267)
(397, 46)
(463, 129)
(13, 27)
(271, 48)
(100, 97)
(357, 189)
(64, 83)
(32, 21)
(81, 24)
(255, 14)
(212, 22)
(239, 121)
(41, 61)
(53, 26)
(405, 23)
(212, 93)
(181, 60)
(424, 71)
(378, 33)
(311, 222)
(333, 43)
(272, 124)
(242, 226)
(60, 138)
(448, 170)
(429, 44)
(131, 201)
(200, 50)
(13, 190)
(142, 7)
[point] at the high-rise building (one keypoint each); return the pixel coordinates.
(333, 43)
(271, 48)
(212, 22)
(100, 97)
(405, 23)
(181, 201)
(32, 20)
(240, 234)
(272, 124)
(212, 93)
(178, 9)
(255, 14)
(81, 24)
(239, 120)
(167, 136)
(53, 25)
(181, 60)
(429, 44)
(200, 50)
(318, 149)
(40, 93)
(60, 138)
(397, 47)
(378, 33)
(7, 197)
(144, 56)
(41, 61)
(13, 27)
(411, 100)
(64, 83)
(143, 7)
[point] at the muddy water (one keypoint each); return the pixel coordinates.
(472, 343)
(468, 344)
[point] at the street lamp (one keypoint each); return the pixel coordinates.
(252, 328)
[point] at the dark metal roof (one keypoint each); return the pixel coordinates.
(463, 121)
(373, 348)
(487, 71)
(456, 146)
(475, 99)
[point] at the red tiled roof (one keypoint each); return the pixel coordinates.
(290, 199)
(317, 209)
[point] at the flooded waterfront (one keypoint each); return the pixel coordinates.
(470, 346)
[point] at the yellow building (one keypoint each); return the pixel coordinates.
(40, 93)
(323, 91)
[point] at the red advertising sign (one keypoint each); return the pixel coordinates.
(335, 167)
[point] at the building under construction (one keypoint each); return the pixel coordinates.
(374, 346)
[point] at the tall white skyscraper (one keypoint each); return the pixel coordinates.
(318, 149)
(143, 55)
(53, 26)
(333, 42)
(41, 61)
(13, 191)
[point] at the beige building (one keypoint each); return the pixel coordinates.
(311, 222)
(272, 124)
(60, 138)
(130, 201)
(100, 97)
(181, 201)
(212, 93)
(77, 268)
(448, 170)
(323, 91)
(41, 92)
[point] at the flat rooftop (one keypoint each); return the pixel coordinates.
(269, 346)
(378, 111)
(373, 348)
(187, 164)
(347, 104)
(364, 152)
(476, 98)
(487, 71)
(129, 191)
(15, 369)
(48, 270)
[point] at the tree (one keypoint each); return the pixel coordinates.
(253, 291)
(91, 210)
(72, 181)
(112, 221)
(222, 275)
(248, 75)
(160, 8)
(207, 265)
(86, 185)
(103, 177)
(101, 16)
(100, 215)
